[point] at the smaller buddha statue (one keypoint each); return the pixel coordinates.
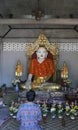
(18, 71)
(64, 71)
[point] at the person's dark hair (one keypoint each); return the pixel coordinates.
(30, 95)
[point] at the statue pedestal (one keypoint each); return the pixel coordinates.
(42, 96)
(57, 97)
(49, 97)
(48, 93)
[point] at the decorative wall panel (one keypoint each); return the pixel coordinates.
(7, 46)
(14, 46)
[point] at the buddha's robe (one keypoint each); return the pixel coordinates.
(44, 69)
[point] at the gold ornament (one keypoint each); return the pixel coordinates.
(18, 71)
(42, 41)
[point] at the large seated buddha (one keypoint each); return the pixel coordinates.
(43, 64)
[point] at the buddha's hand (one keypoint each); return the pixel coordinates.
(28, 83)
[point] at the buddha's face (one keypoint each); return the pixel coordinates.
(42, 53)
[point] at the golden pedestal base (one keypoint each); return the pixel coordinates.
(47, 87)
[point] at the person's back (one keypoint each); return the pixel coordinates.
(30, 114)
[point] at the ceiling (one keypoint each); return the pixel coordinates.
(54, 8)
(29, 9)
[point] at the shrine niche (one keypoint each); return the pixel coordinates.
(52, 50)
(46, 91)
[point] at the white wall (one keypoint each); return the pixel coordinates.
(8, 64)
(71, 59)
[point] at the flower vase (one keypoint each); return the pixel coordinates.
(44, 115)
(60, 111)
(44, 110)
(60, 115)
(53, 112)
(67, 111)
(72, 117)
(76, 110)
(72, 114)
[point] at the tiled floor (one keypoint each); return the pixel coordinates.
(50, 124)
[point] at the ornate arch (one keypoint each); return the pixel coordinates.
(42, 41)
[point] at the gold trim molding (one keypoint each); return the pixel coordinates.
(42, 41)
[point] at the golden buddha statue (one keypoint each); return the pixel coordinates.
(64, 71)
(18, 71)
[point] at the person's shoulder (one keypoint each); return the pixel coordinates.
(22, 105)
(36, 105)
